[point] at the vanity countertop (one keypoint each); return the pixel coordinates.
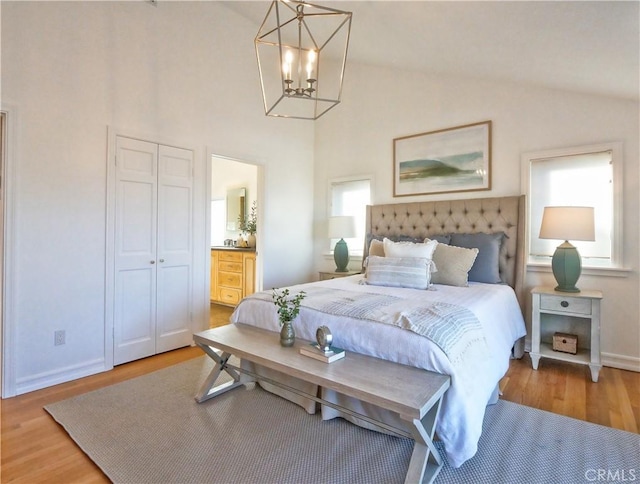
(227, 247)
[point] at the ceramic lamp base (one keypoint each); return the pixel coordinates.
(341, 256)
(567, 267)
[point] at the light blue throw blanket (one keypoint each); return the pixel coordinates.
(454, 329)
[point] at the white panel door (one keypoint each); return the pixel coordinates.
(135, 249)
(154, 253)
(175, 248)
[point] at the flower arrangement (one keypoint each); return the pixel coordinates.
(288, 307)
(250, 223)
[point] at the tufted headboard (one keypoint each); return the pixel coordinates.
(488, 215)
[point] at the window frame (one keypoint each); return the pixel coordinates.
(616, 266)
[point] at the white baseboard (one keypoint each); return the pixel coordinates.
(611, 360)
(61, 375)
(620, 361)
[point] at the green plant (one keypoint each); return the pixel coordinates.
(250, 223)
(288, 307)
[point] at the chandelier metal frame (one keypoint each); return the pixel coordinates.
(288, 28)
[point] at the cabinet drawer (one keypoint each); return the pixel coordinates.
(229, 296)
(565, 304)
(230, 279)
(229, 256)
(230, 266)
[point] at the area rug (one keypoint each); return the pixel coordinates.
(151, 430)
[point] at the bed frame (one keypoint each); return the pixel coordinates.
(488, 215)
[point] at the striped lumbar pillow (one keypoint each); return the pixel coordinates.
(411, 272)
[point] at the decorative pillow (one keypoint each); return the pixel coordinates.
(441, 238)
(411, 272)
(394, 238)
(453, 264)
(399, 238)
(376, 247)
(486, 267)
(409, 249)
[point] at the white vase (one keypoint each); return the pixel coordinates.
(251, 240)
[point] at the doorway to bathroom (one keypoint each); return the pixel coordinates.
(235, 206)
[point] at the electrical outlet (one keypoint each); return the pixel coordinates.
(59, 337)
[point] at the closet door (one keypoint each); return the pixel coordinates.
(135, 249)
(154, 254)
(175, 252)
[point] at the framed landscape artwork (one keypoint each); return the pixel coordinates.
(448, 160)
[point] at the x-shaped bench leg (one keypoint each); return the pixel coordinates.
(425, 461)
(207, 390)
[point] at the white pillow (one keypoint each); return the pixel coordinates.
(409, 249)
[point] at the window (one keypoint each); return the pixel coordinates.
(586, 176)
(350, 196)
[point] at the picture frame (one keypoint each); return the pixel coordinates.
(447, 160)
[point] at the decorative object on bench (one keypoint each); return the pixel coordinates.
(324, 338)
(288, 309)
(328, 356)
(322, 350)
(566, 343)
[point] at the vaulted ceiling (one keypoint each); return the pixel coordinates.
(585, 46)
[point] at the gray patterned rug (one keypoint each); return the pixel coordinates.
(151, 430)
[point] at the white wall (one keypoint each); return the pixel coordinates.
(180, 73)
(381, 104)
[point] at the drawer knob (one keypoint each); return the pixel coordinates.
(564, 304)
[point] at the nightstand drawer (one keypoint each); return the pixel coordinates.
(565, 304)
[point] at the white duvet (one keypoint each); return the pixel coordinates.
(459, 425)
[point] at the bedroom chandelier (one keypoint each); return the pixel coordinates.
(302, 52)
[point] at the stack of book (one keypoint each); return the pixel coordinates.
(315, 351)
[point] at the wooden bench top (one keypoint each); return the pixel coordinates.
(407, 390)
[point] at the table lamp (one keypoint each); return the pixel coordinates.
(564, 223)
(341, 227)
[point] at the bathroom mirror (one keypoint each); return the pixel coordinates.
(236, 208)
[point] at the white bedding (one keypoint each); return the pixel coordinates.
(460, 423)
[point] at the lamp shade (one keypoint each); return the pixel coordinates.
(568, 223)
(342, 227)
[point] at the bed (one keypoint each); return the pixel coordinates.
(454, 325)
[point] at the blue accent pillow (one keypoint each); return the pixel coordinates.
(396, 238)
(441, 238)
(486, 267)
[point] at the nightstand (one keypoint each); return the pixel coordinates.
(326, 275)
(582, 307)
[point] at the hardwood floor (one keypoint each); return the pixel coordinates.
(35, 449)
